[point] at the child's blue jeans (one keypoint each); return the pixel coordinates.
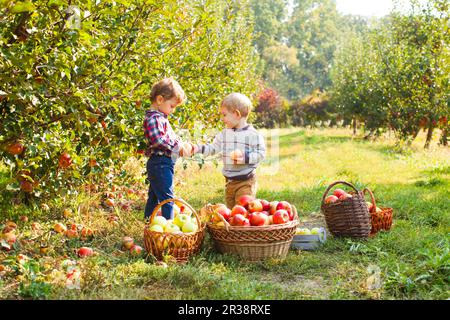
(160, 172)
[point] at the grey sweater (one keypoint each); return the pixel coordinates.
(246, 139)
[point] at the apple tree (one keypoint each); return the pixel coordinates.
(76, 76)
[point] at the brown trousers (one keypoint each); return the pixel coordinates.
(235, 189)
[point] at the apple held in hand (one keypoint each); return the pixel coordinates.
(245, 200)
(331, 199)
(280, 216)
(259, 219)
(237, 155)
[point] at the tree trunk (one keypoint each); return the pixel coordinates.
(354, 126)
(444, 139)
(429, 135)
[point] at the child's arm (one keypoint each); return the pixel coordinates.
(158, 136)
(212, 148)
(257, 152)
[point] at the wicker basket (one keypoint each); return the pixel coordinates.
(382, 220)
(181, 246)
(349, 217)
(255, 243)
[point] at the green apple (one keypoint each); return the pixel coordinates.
(315, 230)
(156, 227)
(303, 231)
(181, 219)
(159, 220)
(171, 227)
(189, 226)
(176, 210)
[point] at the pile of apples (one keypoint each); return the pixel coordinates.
(306, 231)
(374, 211)
(182, 222)
(254, 212)
(337, 196)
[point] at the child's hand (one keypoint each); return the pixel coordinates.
(187, 149)
(237, 156)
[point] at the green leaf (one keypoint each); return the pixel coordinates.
(21, 7)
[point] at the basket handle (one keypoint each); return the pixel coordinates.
(173, 200)
(335, 183)
(371, 196)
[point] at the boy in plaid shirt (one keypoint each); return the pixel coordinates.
(163, 145)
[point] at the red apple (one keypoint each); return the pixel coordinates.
(127, 242)
(71, 233)
(223, 211)
(280, 216)
(255, 206)
(345, 196)
(15, 148)
(286, 206)
(238, 220)
(273, 207)
(85, 252)
(265, 204)
(258, 219)
(135, 250)
(331, 199)
(339, 192)
(59, 227)
(64, 160)
(237, 209)
(245, 200)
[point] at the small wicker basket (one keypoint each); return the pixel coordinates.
(349, 217)
(255, 243)
(181, 246)
(381, 220)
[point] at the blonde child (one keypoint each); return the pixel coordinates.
(241, 146)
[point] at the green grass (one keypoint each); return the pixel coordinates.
(413, 257)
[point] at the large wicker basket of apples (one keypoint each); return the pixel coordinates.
(254, 229)
(180, 237)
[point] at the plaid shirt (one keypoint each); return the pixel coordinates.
(160, 136)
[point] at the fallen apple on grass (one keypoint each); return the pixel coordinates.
(136, 250)
(59, 228)
(127, 243)
(85, 252)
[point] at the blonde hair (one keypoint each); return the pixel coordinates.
(237, 101)
(168, 88)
